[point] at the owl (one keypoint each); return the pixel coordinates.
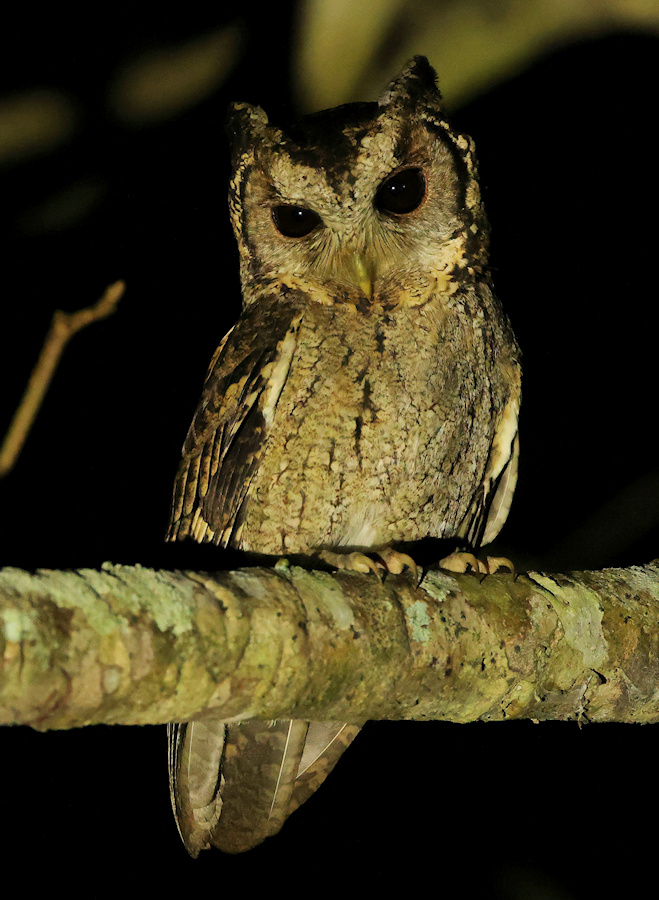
(368, 396)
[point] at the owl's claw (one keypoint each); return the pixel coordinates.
(353, 562)
(496, 563)
(462, 561)
(395, 562)
(388, 560)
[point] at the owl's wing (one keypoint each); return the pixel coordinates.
(234, 785)
(491, 503)
(503, 495)
(325, 743)
(227, 435)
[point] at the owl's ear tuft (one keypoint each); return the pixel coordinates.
(245, 125)
(416, 83)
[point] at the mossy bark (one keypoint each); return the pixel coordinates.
(131, 645)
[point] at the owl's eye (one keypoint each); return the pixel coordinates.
(402, 193)
(294, 221)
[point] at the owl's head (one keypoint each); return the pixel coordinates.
(369, 203)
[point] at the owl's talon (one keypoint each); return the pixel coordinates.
(396, 562)
(462, 561)
(388, 560)
(353, 562)
(496, 563)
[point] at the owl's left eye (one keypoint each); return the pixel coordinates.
(294, 221)
(402, 193)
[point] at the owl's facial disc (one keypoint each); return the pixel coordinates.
(353, 240)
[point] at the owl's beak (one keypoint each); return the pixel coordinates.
(364, 273)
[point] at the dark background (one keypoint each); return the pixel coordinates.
(568, 162)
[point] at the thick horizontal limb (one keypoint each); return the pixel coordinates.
(131, 645)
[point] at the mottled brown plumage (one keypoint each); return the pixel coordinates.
(368, 394)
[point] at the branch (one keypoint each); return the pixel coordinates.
(129, 645)
(62, 328)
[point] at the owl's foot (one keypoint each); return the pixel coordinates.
(497, 563)
(395, 562)
(353, 562)
(461, 561)
(387, 560)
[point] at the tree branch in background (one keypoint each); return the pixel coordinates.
(63, 326)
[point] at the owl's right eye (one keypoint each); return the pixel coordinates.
(294, 221)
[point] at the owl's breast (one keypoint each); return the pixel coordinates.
(381, 432)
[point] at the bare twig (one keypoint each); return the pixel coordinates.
(62, 329)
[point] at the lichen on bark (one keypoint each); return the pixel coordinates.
(133, 645)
